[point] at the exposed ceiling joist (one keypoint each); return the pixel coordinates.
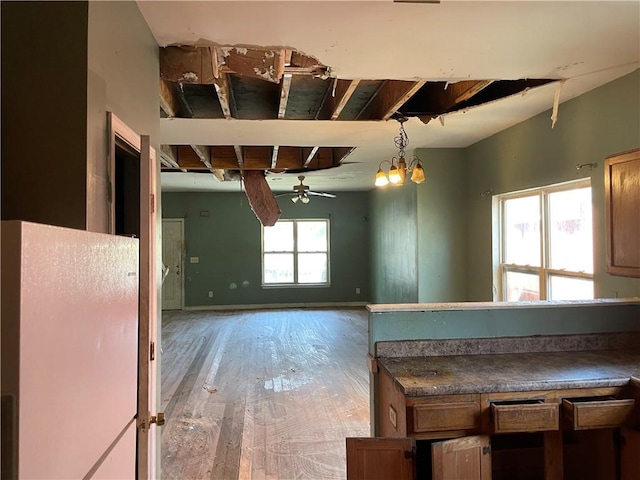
(337, 98)
(277, 159)
(168, 101)
(223, 92)
(312, 153)
(204, 153)
(168, 157)
(239, 156)
(285, 87)
(389, 98)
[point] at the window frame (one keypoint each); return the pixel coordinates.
(543, 272)
(295, 252)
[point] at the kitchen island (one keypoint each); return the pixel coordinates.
(560, 406)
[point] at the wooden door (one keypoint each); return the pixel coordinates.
(146, 417)
(466, 458)
(172, 242)
(147, 373)
(380, 458)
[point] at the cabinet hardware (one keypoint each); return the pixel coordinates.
(486, 450)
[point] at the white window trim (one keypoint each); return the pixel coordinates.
(295, 252)
(542, 272)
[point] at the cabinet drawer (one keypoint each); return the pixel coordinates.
(445, 416)
(524, 416)
(597, 412)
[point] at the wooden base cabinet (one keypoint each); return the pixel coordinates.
(543, 435)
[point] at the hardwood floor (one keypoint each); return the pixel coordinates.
(267, 394)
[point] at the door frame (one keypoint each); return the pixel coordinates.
(182, 255)
(147, 448)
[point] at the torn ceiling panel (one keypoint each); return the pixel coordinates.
(269, 83)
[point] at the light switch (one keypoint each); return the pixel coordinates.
(194, 259)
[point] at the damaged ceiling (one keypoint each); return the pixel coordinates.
(250, 83)
(305, 86)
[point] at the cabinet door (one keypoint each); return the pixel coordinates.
(466, 458)
(622, 196)
(380, 458)
(630, 454)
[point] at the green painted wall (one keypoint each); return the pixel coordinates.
(591, 127)
(442, 227)
(228, 244)
(394, 240)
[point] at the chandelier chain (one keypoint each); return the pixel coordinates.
(401, 140)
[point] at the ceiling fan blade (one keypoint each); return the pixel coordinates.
(322, 194)
(293, 194)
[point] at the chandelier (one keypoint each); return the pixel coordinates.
(398, 166)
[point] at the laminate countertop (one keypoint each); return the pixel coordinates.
(512, 372)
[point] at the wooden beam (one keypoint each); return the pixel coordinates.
(285, 87)
(168, 157)
(223, 91)
(256, 158)
(340, 153)
(239, 156)
(204, 153)
(310, 156)
(274, 156)
(188, 159)
(168, 101)
(261, 198)
(468, 89)
(389, 98)
(337, 98)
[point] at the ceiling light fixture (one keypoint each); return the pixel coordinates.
(398, 166)
(302, 197)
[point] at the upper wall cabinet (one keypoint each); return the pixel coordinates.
(622, 194)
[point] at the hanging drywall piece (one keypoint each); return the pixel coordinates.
(556, 102)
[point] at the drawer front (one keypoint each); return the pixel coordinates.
(526, 417)
(445, 416)
(585, 413)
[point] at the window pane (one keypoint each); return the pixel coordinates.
(570, 232)
(312, 268)
(565, 288)
(522, 231)
(279, 238)
(312, 236)
(522, 286)
(278, 268)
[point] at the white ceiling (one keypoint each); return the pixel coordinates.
(589, 43)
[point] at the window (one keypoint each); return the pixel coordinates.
(546, 247)
(296, 252)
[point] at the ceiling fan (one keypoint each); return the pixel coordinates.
(301, 192)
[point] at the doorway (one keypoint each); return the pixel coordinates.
(126, 189)
(172, 260)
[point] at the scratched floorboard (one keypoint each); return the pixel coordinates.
(268, 394)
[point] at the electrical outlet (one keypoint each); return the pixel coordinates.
(210, 293)
(357, 290)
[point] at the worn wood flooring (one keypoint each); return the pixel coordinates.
(269, 394)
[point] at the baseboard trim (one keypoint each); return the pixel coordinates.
(278, 305)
